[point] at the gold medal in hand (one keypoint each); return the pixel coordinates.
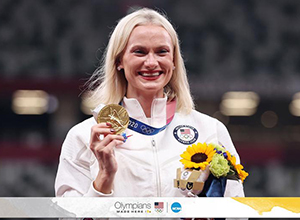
(116, 115)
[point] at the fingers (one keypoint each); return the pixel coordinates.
(108, 143)
(104, 152)
(104, 146)
(115, 138)
(101, 129)
(105, 155)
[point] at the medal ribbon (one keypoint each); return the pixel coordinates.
(145, 129)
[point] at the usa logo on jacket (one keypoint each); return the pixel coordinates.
(185, 134)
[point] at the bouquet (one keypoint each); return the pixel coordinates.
(202, 159)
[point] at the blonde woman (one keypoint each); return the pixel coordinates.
(143, 71)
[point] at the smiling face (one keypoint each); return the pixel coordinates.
(148, 61)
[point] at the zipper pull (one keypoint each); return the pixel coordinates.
(153, 143)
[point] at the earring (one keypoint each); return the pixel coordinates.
(119, 68)
(174, 67)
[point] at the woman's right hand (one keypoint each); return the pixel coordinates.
(102, 143)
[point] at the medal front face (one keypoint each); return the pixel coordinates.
(116, 115)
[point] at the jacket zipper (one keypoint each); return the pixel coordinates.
(157, 168)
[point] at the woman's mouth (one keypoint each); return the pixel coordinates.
(150, 74)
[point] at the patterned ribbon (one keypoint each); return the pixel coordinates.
(145, 129)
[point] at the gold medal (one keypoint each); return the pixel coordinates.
(116, 115)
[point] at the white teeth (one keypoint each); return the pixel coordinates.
(150, 74)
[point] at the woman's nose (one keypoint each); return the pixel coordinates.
(151, 61)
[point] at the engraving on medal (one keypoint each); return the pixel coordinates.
(116, 115)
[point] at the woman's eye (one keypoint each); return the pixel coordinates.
(163, 51)
(139, 52)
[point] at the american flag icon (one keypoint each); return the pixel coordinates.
(185, 131)
(159, 206)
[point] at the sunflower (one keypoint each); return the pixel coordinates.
(197, 156)
(238, 167)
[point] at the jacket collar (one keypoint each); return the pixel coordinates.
(158, 111)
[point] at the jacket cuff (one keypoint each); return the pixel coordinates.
(234, 188)
(94, 193)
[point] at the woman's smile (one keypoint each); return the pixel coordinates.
(150, 75)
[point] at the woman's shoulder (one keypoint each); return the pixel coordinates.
(202, 116)
(82, 130)
(208, 119)
(87, 123)
(202, 119)
(76, 142)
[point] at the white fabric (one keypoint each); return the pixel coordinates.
(146, 164)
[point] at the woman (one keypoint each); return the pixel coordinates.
(144, 72)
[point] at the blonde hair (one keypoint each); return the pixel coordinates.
(108, 85)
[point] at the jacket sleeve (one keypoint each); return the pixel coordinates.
(234, 188)
(73, 176)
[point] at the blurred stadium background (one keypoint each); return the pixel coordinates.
(243, 64)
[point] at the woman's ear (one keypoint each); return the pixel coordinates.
(119, 65)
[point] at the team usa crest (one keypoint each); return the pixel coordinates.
(186, 134)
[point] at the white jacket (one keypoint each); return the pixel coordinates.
(146, 164)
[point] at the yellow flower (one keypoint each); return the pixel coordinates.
(238, 167)
(242, 174)
(197, 156)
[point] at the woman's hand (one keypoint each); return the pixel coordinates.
(102, 143)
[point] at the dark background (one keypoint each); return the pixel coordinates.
(228, 45)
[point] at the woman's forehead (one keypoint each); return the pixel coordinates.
(150, 33)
